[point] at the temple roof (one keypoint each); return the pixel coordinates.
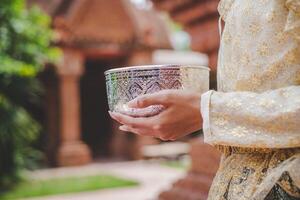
(198, 17)
(105, 24)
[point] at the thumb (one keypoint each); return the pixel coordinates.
(159, 98)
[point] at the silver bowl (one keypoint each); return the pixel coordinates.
(125, 84)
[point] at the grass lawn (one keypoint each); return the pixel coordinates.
(38, 188)
(177, 165)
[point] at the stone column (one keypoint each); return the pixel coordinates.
(71, 151)
(195, 185)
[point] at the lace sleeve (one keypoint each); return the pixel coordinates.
(256, 120)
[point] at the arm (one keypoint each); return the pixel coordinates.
(269, 119)
(246, 119)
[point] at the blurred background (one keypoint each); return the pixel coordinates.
(57, 140)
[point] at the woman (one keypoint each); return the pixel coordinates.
(254, 118)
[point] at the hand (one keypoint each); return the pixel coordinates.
(181, 115)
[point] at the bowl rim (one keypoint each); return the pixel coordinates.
(149, 67)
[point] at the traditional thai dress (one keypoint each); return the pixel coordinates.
(254, 117)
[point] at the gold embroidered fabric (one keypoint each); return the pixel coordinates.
(254, 117)
(267, 120)
(258, 102)
(252, 175)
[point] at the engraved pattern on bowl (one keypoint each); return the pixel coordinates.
(125, 84)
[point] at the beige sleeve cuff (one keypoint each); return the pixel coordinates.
(205, 109)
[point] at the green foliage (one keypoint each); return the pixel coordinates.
(25, 38)
(17, 129)
(39, 188)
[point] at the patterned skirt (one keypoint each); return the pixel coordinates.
(257, 174)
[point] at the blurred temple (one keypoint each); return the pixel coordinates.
(94, 35)
(200, 19)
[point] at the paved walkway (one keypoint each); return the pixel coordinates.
(153, 178)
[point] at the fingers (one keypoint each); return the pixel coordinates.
(142, 132)
(164, 97)
(131, 121)
(140, 126)
(126, 128)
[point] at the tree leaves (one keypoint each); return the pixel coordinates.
(25, 39)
